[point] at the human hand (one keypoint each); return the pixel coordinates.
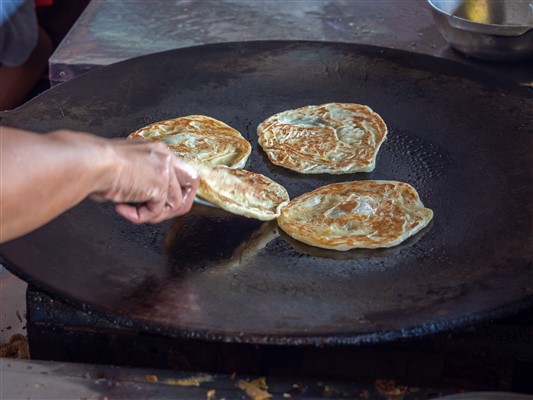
(147, 182)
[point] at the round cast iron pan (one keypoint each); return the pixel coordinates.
(460, 137)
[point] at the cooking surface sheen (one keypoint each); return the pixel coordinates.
(460, 137)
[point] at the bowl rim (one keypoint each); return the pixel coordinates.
(491, 29)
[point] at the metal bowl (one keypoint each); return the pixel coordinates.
(487, 29)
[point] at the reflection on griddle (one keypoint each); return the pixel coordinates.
(249, 247)
(208, 237)
(353, 254)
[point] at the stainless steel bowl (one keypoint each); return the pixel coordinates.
(499, 30)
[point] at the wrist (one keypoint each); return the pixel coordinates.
(94, 158)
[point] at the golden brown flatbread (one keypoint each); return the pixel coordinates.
(333, 138)
(199, 138)
(359, 214)
(241, 192)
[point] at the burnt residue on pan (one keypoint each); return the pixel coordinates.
(460, 137)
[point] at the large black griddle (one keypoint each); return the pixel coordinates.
(461, 137)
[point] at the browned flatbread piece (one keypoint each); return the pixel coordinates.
(334, 138)
(199, 138)
(360, 214)
(241, 192)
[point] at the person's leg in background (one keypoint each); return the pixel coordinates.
(23, 58)
(57, 17)
(16, 82)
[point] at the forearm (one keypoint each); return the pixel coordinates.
(44, 175)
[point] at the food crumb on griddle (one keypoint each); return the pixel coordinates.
(296, 390)
(256, 389)
(387, 387)
(362, 394)
(191, 381)
(17, 347)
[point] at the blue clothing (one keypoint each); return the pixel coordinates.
(7, 8)
(18, 31)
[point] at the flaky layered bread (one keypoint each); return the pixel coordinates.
(241, 192)
(334, 138)
(360, 214)
(201, 139)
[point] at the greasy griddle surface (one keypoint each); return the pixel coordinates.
(458, 136)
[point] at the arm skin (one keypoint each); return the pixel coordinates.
(43, 175)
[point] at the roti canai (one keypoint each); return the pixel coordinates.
(334, 138)
(359, 214)
(201, 139)
(241, 192)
